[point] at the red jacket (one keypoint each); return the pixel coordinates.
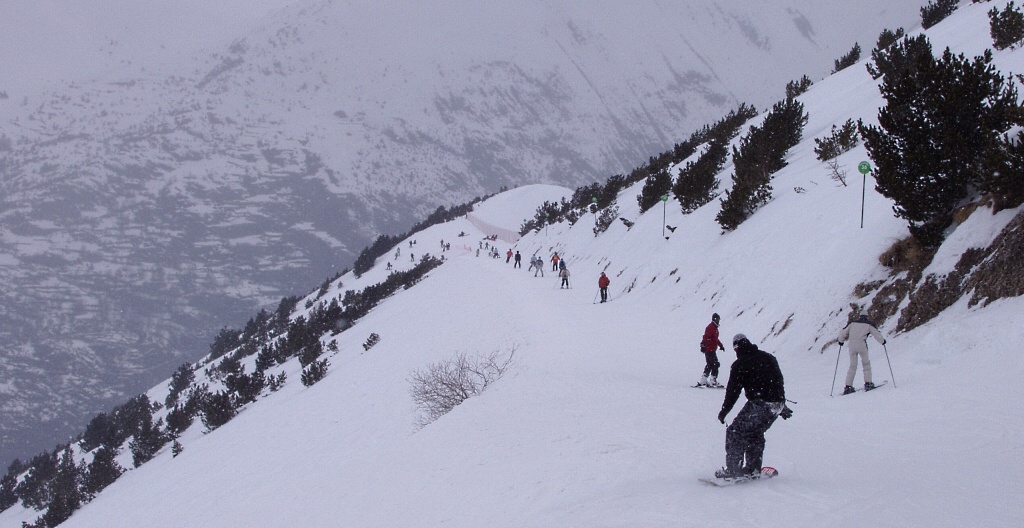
(710, 343)
(603, 282)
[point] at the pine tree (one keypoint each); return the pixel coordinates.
(7, 496)
(148, 440)
(936, 11)
(218, 409)
(65, 491)
(34, 489)
(761, 154)
(940, 121)
(180, 380)
(1005, 175)
(656, 186)
(797, 88)
(849, 59)
(102, 471)
(315, 372)
(887, 38)
(1006, 26)
(698, 180)
(897, 58)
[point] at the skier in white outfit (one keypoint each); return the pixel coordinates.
(857, 333)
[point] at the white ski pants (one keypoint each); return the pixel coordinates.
(863, 355)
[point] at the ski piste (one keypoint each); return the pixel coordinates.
(862, 389)
(766, 473)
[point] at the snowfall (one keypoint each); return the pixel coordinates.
(595, 422)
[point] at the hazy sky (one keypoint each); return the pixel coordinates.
(48, 40)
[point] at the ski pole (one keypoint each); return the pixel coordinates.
(890, 365)
(836, 373)
(595, 297)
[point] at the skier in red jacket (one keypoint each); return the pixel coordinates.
(710, 346)
(602, 282)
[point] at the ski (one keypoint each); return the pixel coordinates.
(862, 389)
(698, 386)
(766, 473)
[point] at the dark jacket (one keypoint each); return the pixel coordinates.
(757, 373)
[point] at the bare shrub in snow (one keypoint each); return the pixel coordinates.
(441, 386)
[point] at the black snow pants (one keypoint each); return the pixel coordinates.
(744, 438)
(711, 368)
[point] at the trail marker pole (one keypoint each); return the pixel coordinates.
(664, 205)
(864, 169)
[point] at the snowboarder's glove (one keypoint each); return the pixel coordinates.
(721, 347)
(721, 416)
(786, 412)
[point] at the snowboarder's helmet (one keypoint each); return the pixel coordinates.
(739, 339)
(715, 318)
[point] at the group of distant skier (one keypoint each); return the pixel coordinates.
(557, 265)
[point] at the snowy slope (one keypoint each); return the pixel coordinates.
(594, 424)
(157, 193)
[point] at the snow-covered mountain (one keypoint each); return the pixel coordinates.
(594, 423)
(144, 208)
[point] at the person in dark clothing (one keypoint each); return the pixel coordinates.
(710, 345)
(519, 261)
(757, 374)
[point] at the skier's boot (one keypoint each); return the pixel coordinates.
(713, 382)
(868, 386)
(848, 390)
(703, 381)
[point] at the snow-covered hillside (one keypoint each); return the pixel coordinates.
(149, 200)
(594, 423)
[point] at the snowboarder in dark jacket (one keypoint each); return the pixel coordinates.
(757, 374)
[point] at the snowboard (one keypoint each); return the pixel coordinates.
(861, 389)
(766, 473)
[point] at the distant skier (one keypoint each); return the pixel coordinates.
(564, 274)
(508, 256)
(857, 333)
(554, 261)
(519, 261)
(757, 374)
(538, 265)
(710, 345)
(602, 282)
